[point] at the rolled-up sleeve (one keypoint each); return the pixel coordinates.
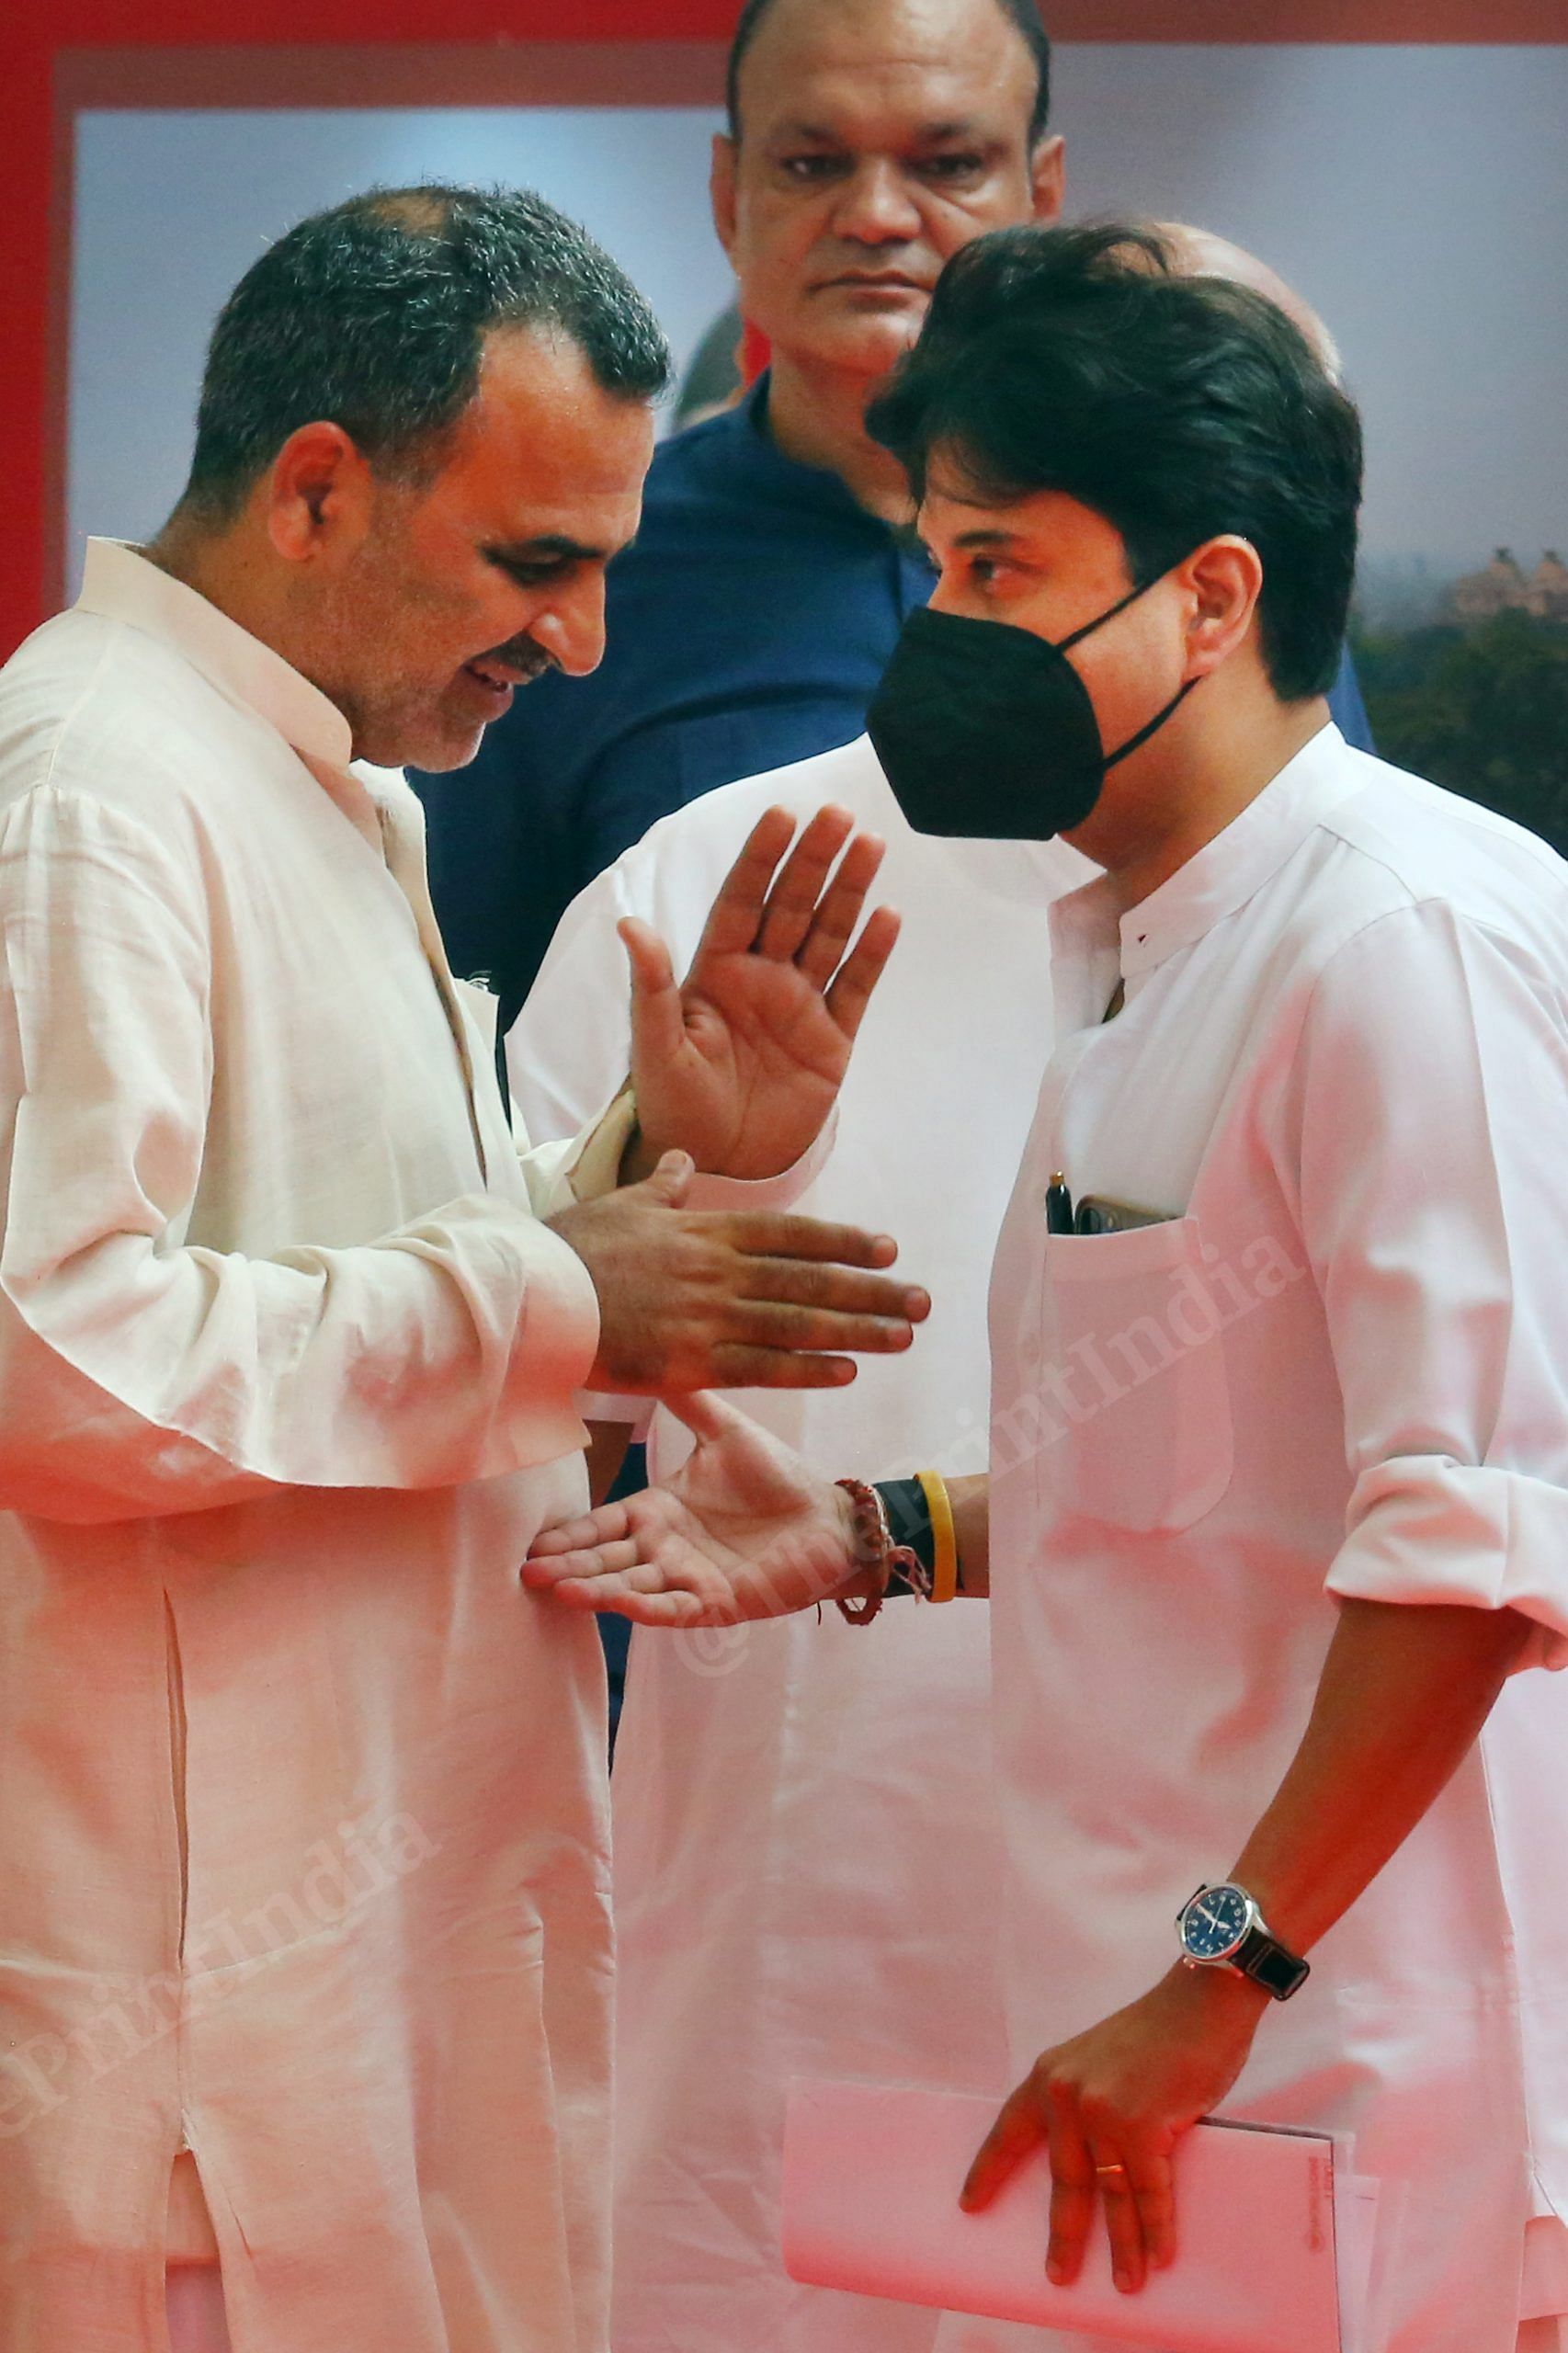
(1429, 1110)
(142, 1373)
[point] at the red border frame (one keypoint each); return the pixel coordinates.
(59, 49)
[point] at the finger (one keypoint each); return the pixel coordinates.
(793, 902)
(1124, 2226)
(1154, 2190)
(670, 1182)
(851, 992)
(735, 1367)
(1072, 2187)
(839, 910)
(812, 1282)
(605, 1525)
(658, 1023)
(665, 1608)
(1018, 2130)
(762, 1233)
(809, 1331)
(582, 1560)
(735, 917)
(706, 1417)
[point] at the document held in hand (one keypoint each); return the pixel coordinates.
(872, 2180)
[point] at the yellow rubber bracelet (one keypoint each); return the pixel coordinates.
(944, 1572)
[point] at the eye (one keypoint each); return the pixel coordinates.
(951, 171)
(530, 574)
(809, 171)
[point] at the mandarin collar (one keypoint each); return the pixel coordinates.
(120, 585)
(1226, 872)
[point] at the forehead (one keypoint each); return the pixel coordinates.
(903, 66)
(541, 432)
(1049, 525)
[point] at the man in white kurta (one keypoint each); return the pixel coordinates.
(1278, 1513)
(1341, 1071)
(300, 1792)
(304, 1956)
(796, 1809)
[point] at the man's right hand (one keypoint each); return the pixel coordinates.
(732, 1299)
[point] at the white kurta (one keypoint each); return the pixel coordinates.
(303, 1853)
(1341, 1368)
(806, 1874)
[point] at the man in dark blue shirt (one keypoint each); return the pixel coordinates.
(775, 566)
(749, 624)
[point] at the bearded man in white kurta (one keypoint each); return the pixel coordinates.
(303, 1947)
(1277, 1514)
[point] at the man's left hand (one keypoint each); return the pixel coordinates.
(740, 1066)
(1112, 2104)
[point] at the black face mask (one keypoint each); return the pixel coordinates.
(987, 732)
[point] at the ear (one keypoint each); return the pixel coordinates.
(1048, 178)
(721, 190)
(1224, 580)
(319, 493)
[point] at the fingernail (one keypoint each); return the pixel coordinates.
(1056, 2272)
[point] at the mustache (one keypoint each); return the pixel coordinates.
(522, 655)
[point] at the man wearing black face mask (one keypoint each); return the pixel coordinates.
(1278, 1496)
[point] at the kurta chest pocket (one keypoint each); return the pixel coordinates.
(1133, 1375)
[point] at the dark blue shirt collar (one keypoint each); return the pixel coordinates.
(740, 438)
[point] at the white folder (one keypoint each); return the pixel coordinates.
(872, 2180)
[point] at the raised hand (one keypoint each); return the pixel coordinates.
(732, 1299)
(742, 1530)
(740, 1065)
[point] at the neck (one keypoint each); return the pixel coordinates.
(816, 414)
(216, 564)
(226, 567)
(1196, 786)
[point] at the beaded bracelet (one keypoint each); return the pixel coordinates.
(874, 1548)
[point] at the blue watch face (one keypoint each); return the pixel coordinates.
(1214, 1922)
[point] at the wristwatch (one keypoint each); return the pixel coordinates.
(1221, 1927)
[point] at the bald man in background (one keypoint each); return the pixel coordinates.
(806, 1869)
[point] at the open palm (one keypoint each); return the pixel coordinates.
(740, 1065)
(742, 1530)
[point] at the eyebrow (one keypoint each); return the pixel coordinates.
(927, 134)
(987, 539)
(958, 129)
(550, 543)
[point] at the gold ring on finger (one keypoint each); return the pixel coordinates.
(1114, 2175)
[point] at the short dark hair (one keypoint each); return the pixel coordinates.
(374, 316)
(1022, 14)
(1081, 360)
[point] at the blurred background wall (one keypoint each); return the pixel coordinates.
(1416, 195)
(1415, 188)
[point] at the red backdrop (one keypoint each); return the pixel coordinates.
(32, 139)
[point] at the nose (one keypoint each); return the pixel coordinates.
(876, 208)
(571, 627)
